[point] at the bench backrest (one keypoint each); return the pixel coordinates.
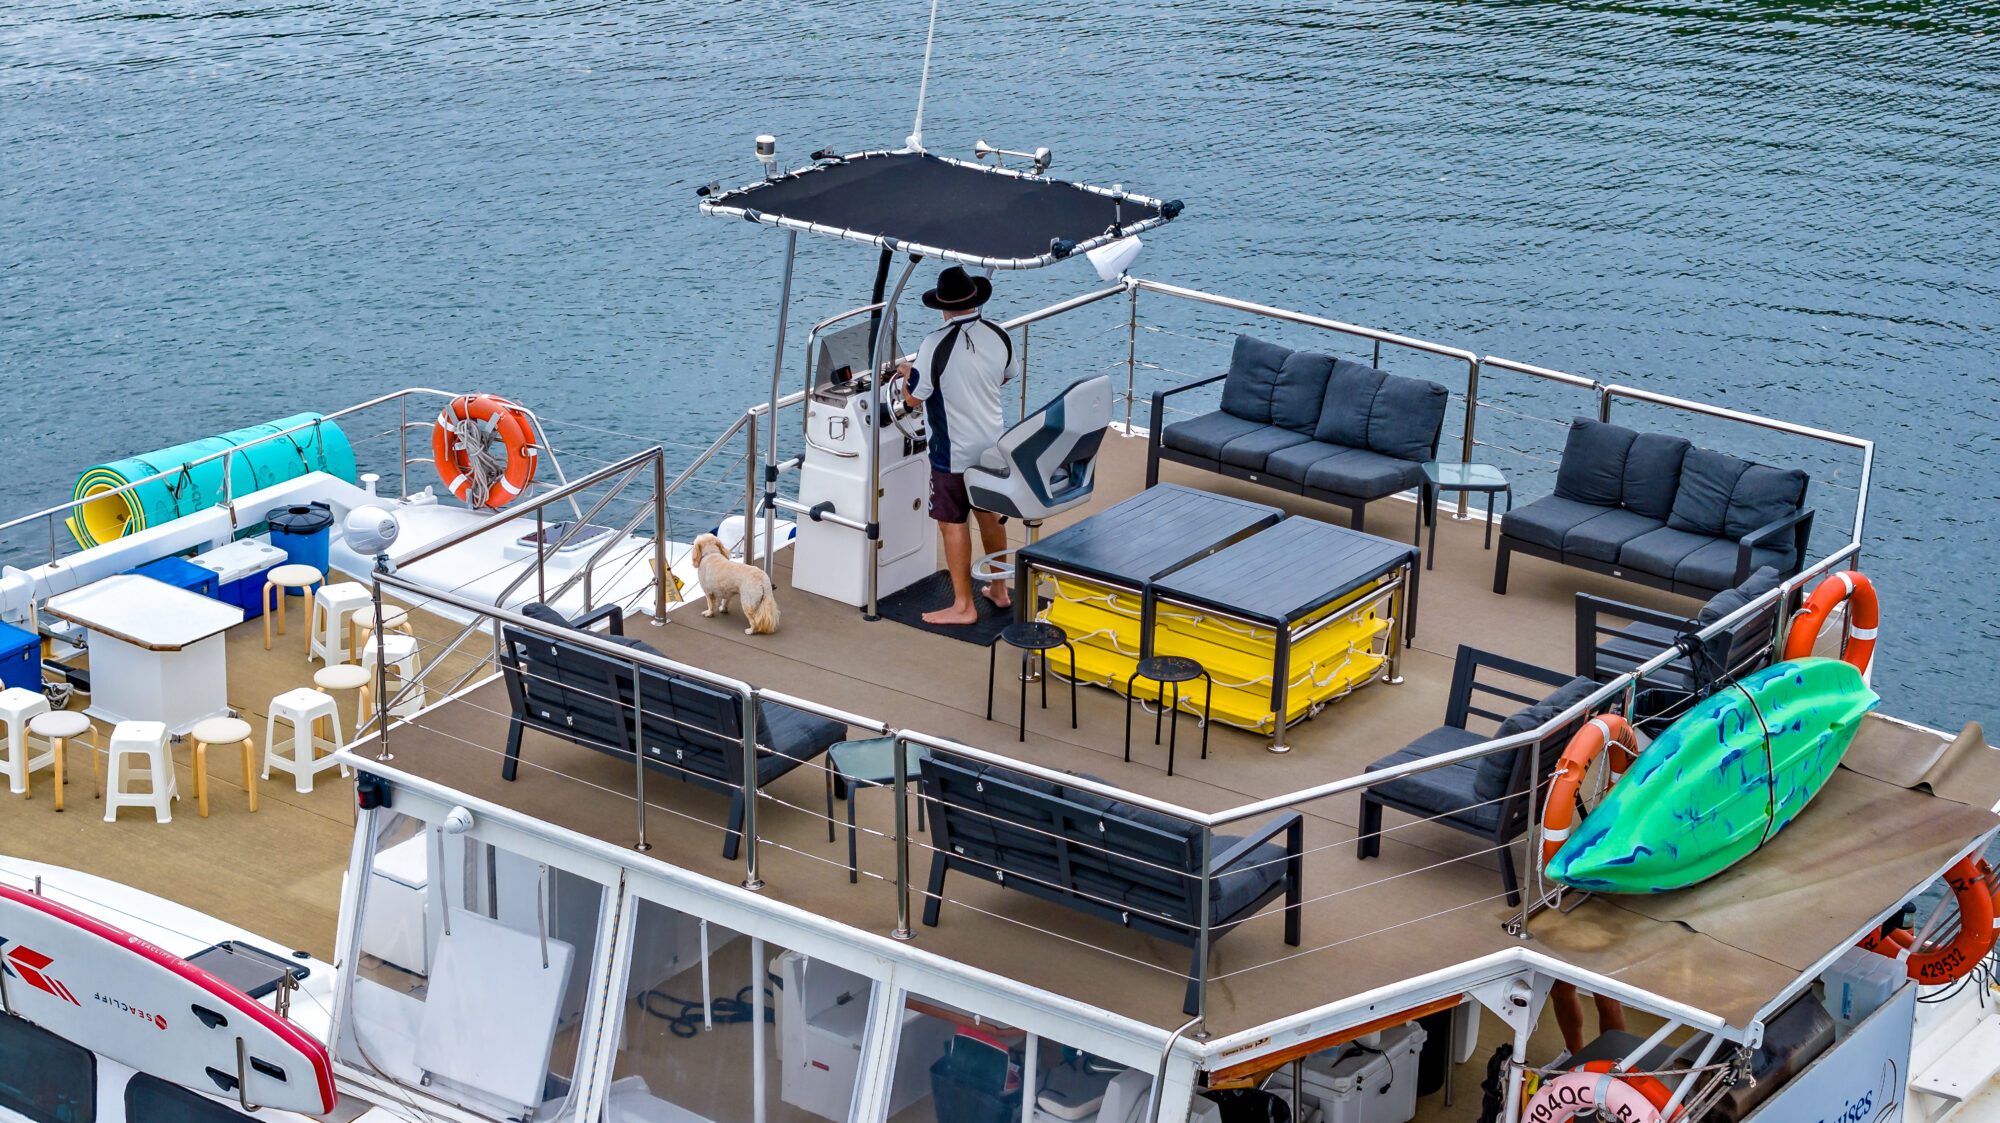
(565, 688)
(1481, 693)
(1065, 840)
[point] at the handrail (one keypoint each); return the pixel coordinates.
(512, 512)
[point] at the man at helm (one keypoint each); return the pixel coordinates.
(956, 377)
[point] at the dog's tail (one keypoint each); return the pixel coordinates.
(763, 613)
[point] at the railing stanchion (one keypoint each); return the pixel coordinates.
(1131, 357)
(750, 489)
(403, 443)
(1203, 934)
(749, 780)
(1604, 404)
(1531, 884)
(541, 571)
(1471, 415)
(381, 665)
(902, 770)
(661, 574)
(52, 536)
(1024, 370)
(639, 748)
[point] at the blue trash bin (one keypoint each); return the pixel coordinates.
(304, 532)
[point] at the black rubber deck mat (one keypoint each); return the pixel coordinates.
(908, 605)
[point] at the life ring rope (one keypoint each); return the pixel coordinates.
(1863, 625)
(1605, 731)
(462, 448)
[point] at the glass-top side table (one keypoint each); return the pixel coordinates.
(1466, 479)
(868, 763)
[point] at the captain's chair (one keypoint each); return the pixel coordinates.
(1044, 465)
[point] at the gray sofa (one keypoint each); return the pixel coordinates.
(1302, 422)
(1659, 511)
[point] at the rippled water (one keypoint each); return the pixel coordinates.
(212, 215)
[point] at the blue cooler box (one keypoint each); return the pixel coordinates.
(239, 569)
(305, 532)
(181, 574)
(20, 658)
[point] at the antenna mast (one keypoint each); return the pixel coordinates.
(915, 141)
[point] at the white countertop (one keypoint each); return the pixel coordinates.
(144, 612)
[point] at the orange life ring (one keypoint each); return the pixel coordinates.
(1864, 617)
(455, 460)
(1971, 882)
(1605, 731)
(1594, 1087)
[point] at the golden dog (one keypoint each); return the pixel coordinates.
(723, 578)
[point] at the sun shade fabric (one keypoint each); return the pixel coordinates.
(943, 208)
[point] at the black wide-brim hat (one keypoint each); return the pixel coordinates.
(958, 290)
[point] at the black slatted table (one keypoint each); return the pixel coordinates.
(1127, 545)
(1282, 575)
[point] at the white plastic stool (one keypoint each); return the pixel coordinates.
(133, 741)
(361, 625)
(17, 706)
(304, 708)
(326, 625)
(401, 653)
(222, 731)
(58, 728)
(278, 581)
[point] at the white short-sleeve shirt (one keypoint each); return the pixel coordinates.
(961, 393)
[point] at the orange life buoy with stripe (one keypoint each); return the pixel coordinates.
(1596, 1089)
(1864, 618)
(1971, 882)
(1605, 731)
(468, 470)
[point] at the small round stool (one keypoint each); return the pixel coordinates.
(277, 583)
(58, 728)
(1169, 670)
(346, 676)
(1031, 637)
(223, 731)
(361, 626)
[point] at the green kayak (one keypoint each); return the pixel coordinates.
(1707, 792)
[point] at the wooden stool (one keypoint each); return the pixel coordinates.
(59, 728)
(277, 582)
(327, 622)
(222, 731)
(18, 706)
(146, 740)
(361, 625)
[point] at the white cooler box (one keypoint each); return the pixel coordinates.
(1354, 1085)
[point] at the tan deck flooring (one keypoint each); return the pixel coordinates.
(276, 872)
(1361, 931)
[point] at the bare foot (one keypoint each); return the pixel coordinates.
(956, 614)
(998, 595)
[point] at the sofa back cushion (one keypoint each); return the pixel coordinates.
(1593, 462)
(1406, 417)
(1497, 770)
(1653, 474)
(1256, 369)
(1724, 496)
(1301, 388)
(1350, 398)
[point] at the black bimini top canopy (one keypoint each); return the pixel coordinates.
(913, 202)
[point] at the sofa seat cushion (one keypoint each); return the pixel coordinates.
(1251, 450)
(1441, 791)
(1714, 566)
(1660, 552)
(1294, 462)
(1547, 521)
(1592, 469)
(1208, 434)
(1601, 538)
(791, 737)
(1363, 475)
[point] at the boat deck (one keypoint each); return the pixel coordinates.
(1431, 901)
